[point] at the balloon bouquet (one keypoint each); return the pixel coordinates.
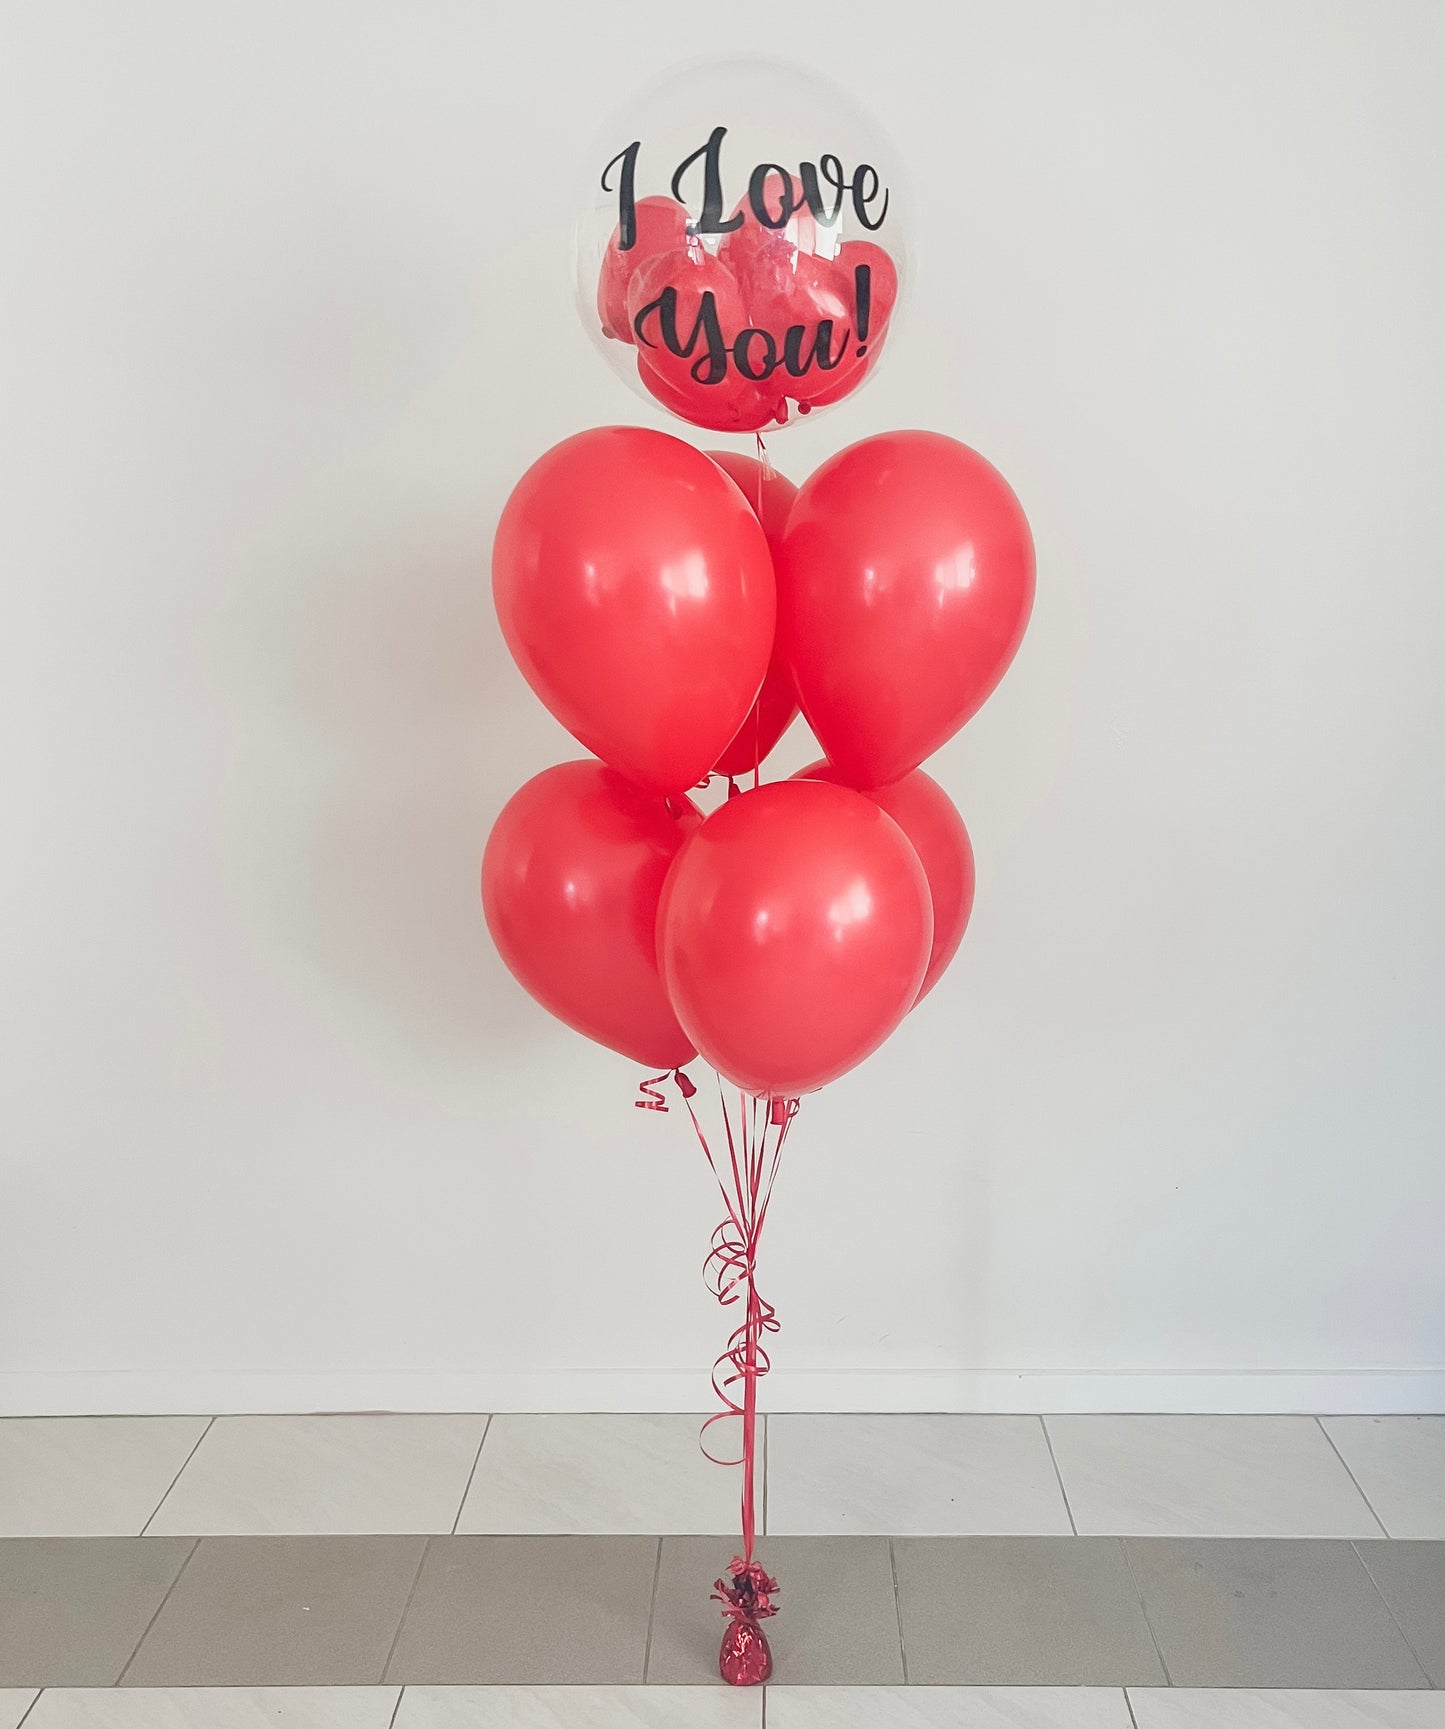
(674, 609)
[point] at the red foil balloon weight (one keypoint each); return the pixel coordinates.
(746, 1659)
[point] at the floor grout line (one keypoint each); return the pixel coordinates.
(179, 1474)
(396, 1709)
(1129, 1707)
(651, 1612)
(1123, 1543)
(190, 1553)
(1058, 1474)
(471, 1476)
(898, 1610)
(1319, 1423)
(1389, 1610)
(28, 1709)
(405, 1611)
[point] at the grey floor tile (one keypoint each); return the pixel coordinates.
(580, 1708)
(947, 1708)
(1254, 1612)
(919, 1475)
(528, 1609)
(1178, 1476)
(836, 1624)
(88, 1476)
(1411, 1578)
(73, 1608)
(1022, 1611)
(215, 1708)
(14, 1703)
(1283, 1708)
(1399, 1462)
(602, 1474)
(323, 1476)
(280, 1612)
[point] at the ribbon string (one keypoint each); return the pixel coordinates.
(745, 1180)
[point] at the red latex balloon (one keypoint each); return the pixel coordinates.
(787, 281)
(926, 814)
(635, 591)
(905, 580)
(862, 355)
(686, 311)
(661, 227)
(771, 496)
(736, 409)
(743, 249)
(883, 280)
(571, 879)
(769, 719)
(736, 339)
(794, 931)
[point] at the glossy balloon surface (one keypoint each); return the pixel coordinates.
(794, 932)
(571, 879)
(905, 581)
(935, 830)
(635, 590)
(771, 496)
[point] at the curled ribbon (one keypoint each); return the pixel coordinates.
(651, 1090)
(754, 1149)
(730, 1271)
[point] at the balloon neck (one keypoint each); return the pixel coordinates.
(782, 1111)
(651, 1090)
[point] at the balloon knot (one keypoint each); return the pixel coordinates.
(651, 1090)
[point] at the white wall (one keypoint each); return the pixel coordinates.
(286, 312)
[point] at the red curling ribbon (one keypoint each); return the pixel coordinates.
(754, 1149)
(651, 1089)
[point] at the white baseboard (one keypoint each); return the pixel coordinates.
(127, 1393)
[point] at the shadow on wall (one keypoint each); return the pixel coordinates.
(385, 721)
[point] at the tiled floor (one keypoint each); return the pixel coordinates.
(89, 1476)
(1399, 1462)
(707, 1708)
(602, 1474)
(912, 1476)
(866, 1611)
(1208, 1477)
(938, 1572)
(1350, 1477)
(272, 1476)
(827, 1475)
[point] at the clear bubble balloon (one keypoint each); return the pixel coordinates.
(741, 250)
